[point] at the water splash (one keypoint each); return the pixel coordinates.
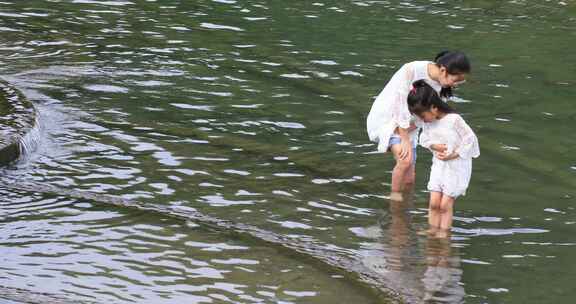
(29, 142)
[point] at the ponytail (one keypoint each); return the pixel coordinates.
(455, 62)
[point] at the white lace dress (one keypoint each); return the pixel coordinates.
(453, 176)
(390, 109)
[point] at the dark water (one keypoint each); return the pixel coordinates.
(253, 111)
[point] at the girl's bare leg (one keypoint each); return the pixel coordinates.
(447, 211)
(434, 215)
(410, 177)
(401, 169)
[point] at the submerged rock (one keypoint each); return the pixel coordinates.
(17, 119)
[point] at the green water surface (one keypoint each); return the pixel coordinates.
(254, 111)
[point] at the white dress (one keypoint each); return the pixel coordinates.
(390, 109)
(453, 176)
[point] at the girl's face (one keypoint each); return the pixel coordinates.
(450, 80)
(430, 115)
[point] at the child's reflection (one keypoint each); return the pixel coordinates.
(443, 275)
(421, 268)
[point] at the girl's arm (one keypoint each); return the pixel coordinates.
(440, 148)
(412, 127)
(389, 111)
(469, 148)
(445, 156)
(405, 142)
(400, 112)
(425, 141)
(402, 84)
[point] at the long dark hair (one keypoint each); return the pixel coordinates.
(422, 97)
(455, 63)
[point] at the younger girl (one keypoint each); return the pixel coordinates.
(453, 144)
(390, 123)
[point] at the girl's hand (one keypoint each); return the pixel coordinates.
(445, 157)
(438, 148)
(405, 147)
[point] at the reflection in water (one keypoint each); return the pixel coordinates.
(149, 258)
(443, 272)
(423, 269)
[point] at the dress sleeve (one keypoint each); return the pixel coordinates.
(469, 147)
(400, 112)
(390, 109)
(424, 140)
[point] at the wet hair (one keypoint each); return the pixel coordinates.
(423, 97)
(455, 63)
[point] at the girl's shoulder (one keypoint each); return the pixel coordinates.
(420, 71)
(412, 71)
(454, 117)
(419, 65)
(420, 62)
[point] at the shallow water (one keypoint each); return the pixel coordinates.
(254, 112)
